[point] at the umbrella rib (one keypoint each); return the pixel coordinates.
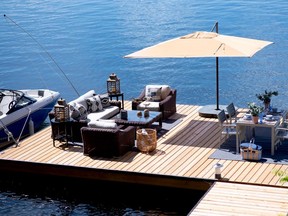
(219, 48)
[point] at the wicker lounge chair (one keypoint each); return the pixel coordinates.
(165, 102)
(107, 142)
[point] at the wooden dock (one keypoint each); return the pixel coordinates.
(180, 161)
(242, 199)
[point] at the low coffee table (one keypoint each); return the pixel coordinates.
(140, 122)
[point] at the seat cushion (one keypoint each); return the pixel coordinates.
(102, 124)
(152, 106)
(106, 113)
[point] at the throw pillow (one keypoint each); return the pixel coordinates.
(91, 104)
(104, 100)
(154, 94)
(74, 113)
(78, 112)
(94, 104)
(82, 110)
(98, 102)
(165, 91)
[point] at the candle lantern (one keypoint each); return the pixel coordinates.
(218, 167)
(113, 84)
(61, 110)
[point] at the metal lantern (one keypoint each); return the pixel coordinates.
(113, 84)
(61, 110)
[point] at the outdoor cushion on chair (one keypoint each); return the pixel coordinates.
(152, 106)
(151, 94)
(157, 92)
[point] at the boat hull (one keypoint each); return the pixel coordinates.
(28, 119)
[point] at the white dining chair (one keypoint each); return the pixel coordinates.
(227, 129)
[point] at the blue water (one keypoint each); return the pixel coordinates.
(88, 40)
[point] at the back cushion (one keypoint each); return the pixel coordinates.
(94, 104)
(82, 99)
(165, 91)
(157, 92)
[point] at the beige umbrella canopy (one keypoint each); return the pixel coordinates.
(203, 44)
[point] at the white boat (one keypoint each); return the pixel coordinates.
(22, 112)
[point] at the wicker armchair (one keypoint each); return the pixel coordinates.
(167, 105)
(106, 142)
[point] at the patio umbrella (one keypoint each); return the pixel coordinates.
(203, 44)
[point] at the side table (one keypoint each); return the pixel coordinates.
(61, 131)
(117, 95)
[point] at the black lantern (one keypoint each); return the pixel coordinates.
(113, 84)
(61, 111)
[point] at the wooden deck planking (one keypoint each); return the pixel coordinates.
(144, 160)
(187, 147)
(242, 199)
(183, 151)
(238, 173)
(265, 173)
(33, 154)
(179, 149)
(256, 169)
(191, 146)
(246, 171)
(140, 158)
(200, 162)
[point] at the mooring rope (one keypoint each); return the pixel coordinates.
(44, 51)
(29, 113)
(9, 134)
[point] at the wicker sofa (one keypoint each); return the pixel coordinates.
(159, 98)
(109, 109)
(107, 142)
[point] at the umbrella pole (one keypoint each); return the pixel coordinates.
(217, 72)
(217, 83)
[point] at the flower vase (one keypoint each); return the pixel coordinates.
(255, 119)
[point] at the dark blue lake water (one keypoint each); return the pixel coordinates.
(88, 40)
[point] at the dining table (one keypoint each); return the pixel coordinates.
(272, 123)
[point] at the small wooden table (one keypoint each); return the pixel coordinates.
(141, 122)
(242, 123)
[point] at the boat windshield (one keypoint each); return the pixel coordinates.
(12, 100)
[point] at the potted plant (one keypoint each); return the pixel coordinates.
(266, 97)
(255, 110)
